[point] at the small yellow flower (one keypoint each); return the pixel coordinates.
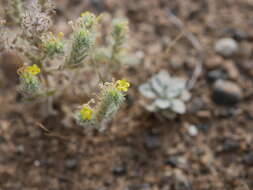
(33, 70)
(60, 35)
(122, 85)
(86, 113)
(85, 14)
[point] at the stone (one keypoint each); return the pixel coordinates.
(192, 130)
(231, 70)
(213, 62)
(176, 161)
(71, 164)
(216, 74)
(152, 142)
(226, 47)
(248, 159)
(247, 66)
(240, 35)
(119, 170)
(229, 145)
(172, 161)
(226, 92)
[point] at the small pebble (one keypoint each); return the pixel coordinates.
(247, 66)
(226, 47)
(240, 35)
(216, 74)
(248, 159)
(192, 130)
(20, 149)
(71, 164)
(226, 92)
(172, 161)
(152, 142)
(36, 163)
(119, 170)
(176, 162)
(230, 145)
(231, 70)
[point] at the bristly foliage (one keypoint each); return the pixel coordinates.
(83, 39)
(53, 65)
(15, 10)
(111, 96)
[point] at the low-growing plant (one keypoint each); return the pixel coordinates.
(55, 65)
(168, 94)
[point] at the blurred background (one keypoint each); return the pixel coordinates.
(209, 43)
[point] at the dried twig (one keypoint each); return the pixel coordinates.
(195, 43)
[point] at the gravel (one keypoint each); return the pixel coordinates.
(226, 47)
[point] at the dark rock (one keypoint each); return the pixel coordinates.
(216, 74)
(236, 33)
(205, 127)
(230, 145)
(152, 142)
(248, 159)
(2, 140)
(71, 163)
(120, 170)
(172, 161)
(226, 92)
(239, 35)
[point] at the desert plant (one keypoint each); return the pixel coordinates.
(55, 65)
(111, 96)
(169, 94)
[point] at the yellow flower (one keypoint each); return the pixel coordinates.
(33, 70)
(86, 113)
(122, 85)
(84, 14)
(60, 35)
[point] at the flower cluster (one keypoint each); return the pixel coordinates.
(30, 83)
(83, 38)
(122, 85)
(63, 75)
(110, 98)
(53, 45)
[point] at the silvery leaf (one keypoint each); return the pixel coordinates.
(172, 93)
(160, 81)
(162, 103)
(157, 85)
(163, 76)
(175, 87)
(147, 91)
(178, 106)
